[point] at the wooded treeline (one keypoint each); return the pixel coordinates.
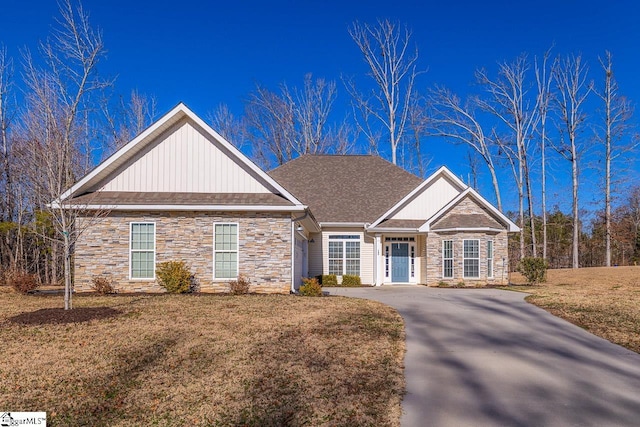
(59, 117)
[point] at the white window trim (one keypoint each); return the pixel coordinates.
(142, 279)
(213, 247)
(464, 258)
(493, 248)
(453, 257)
(360, 240)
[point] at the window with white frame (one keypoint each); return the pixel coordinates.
(447, 259)
(471, 258)
(490, 258)
(225, 251)
(142, 244)
(344, 254)
(386, 261)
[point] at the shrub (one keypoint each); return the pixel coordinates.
(174, 276)
(461, 284)
(533, 269)
(21, 281)
(310, 287)
(351, 280)
(239, 286)
(103, 285)
(443, 284)
(328, 280)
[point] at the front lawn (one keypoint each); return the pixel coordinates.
(202, 360)
(604, 301)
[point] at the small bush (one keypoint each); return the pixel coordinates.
(310, 287)
(21, 281)
(174, 276)
(103, 285)
(351, 280)
(443, 284)
(239, 286)
(328, 280)
(461, 284)
(533, 269)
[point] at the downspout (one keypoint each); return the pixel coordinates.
(293, 249)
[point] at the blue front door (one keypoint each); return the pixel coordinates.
(400, 262)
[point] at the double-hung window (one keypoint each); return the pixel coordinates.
(344, 254)
(490, 258)
(447, 259)
(225, 251)
(142, 244)
(471, 258)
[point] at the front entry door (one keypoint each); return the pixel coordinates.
(400, 262)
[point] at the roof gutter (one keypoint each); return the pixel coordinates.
(225, 208)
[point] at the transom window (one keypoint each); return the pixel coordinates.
(344, 255)
(471, 258)
(399, 239)
(142, 250)
(225, 250)
(447, 259)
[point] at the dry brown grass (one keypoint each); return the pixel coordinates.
(605, 301)
(205, 360)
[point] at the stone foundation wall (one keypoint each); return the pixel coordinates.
(264, 249)
(500, 258)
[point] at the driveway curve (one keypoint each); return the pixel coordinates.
(485, 357)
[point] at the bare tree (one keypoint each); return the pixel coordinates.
(293, 122)
(570, 76)
(617, 112)
(230, 127)
(544, 82)
(60, 99)
(419, 124)
(509, 102)
(387, 51)
(128, 118)
(458, 122)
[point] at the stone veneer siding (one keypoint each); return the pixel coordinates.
(264, 249)
(434, 250)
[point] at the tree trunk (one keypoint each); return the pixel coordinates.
(576, 220)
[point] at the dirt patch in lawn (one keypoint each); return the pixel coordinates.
(605, 301)
(208, 360)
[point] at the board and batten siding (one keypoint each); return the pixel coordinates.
(319, 253)
(432, 198)
(184, 160)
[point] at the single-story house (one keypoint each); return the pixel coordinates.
(179, 191)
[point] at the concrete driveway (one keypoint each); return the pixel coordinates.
(484, 357)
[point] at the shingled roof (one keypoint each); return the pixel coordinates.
(345, 188)
(165, 198)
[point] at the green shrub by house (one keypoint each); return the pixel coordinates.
(328, 280)
(174, 276)
(533, 269)
(351, 280)
(310, 287)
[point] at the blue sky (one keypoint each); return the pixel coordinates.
(207, 52)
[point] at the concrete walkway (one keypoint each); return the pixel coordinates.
(484, 357)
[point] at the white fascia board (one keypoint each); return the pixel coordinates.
(226, 208)
(512, 227)
(443, 170)
(392, 230)
(343, 224)
(181, 110)
(122, 151)
(490, 229)
(241, 156)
